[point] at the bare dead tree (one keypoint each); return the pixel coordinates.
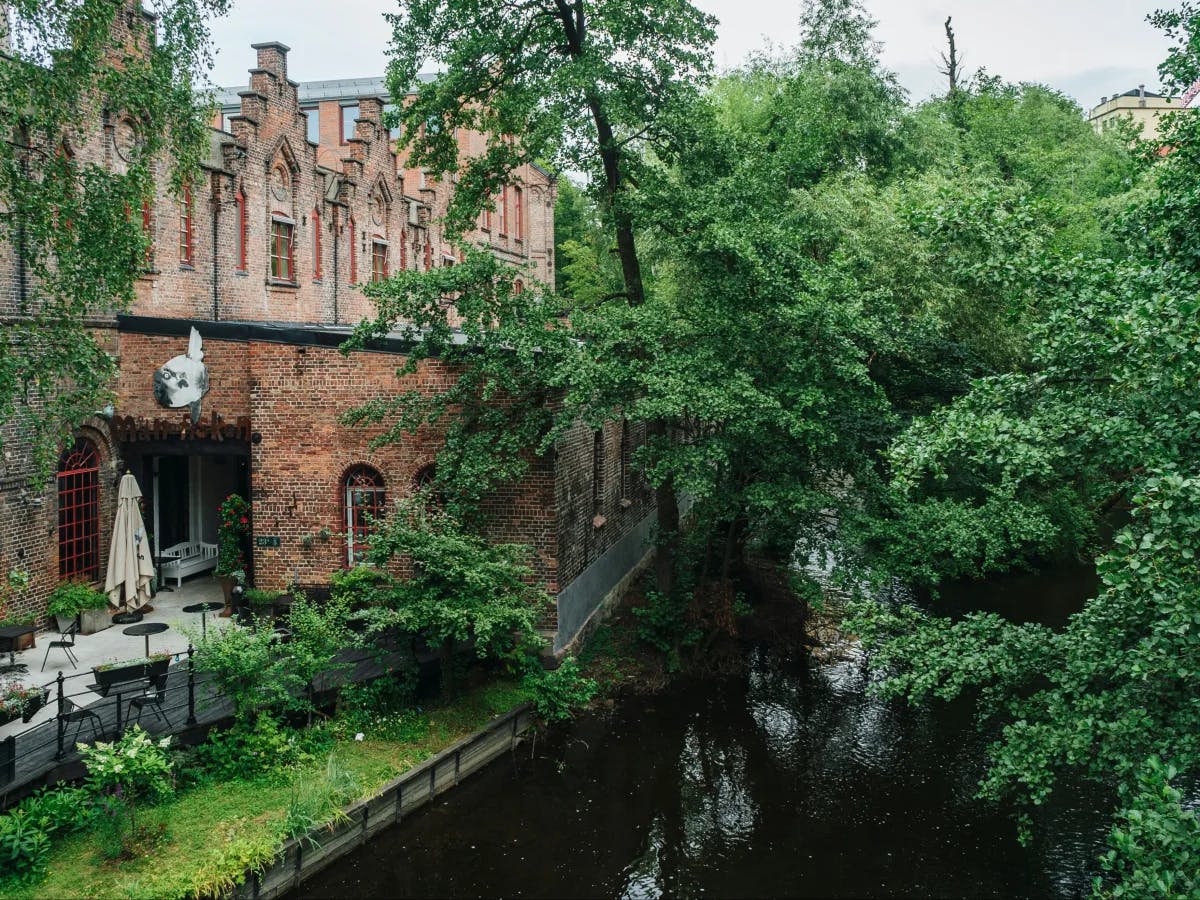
(951, 63)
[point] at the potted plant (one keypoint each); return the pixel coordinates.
(18, 702)
(113, 673)
(71, 599)
(16, 580)
(233, 528)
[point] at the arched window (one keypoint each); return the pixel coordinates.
(424, 477)
(79, 512)
(363, 503)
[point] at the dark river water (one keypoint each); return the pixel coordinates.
(786, 780)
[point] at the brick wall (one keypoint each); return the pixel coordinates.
(593, 515)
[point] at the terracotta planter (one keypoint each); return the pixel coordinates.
(26, 642)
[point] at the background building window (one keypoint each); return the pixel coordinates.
(283, 267)
(363, 504)
(379, 261)
(313, 127)
(393, 133)
(353, 255)
(349, 114)
(79, 512)
(185, 226)
(502, 211)
(518, 218)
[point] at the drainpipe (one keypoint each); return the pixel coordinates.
(216, 255)
(337, 274)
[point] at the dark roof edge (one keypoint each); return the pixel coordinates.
(296, 334)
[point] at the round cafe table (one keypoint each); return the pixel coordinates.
(145, 629)
(204, 609)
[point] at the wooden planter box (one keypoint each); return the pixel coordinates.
(106, 679)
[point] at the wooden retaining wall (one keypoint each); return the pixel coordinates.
(300, 860)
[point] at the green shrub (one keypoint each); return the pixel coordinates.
(71, 598)
(247, 750)
(359, 585)
(558, 694)
(60, 809)
(663, 623)
(24, 847)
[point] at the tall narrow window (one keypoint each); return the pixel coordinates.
(148, 231)
(79, 512)
(312, 127)
(518, 287)
(428, 257)
(185, 226)
(363, 505)
(597, 470)
(353, 254)
(502, 211)
(379, 260)
(240, 202)
(626, 451)
(316, 244)
(518, 216)
(283, 256)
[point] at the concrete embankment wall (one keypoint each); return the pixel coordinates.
(299, 860)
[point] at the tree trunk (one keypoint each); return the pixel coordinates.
(447, 663)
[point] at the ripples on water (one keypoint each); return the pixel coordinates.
(787, 781)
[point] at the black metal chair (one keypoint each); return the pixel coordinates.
(153, 698)
(66, 640)
(79, 714)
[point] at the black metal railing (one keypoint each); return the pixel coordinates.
(86, 711)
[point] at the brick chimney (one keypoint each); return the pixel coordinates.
(272, 57)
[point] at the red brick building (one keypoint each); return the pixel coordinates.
(230, 378)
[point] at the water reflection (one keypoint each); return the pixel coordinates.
(787, 781)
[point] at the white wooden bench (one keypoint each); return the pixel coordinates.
(188, 558)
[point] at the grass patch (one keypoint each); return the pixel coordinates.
(214, 832)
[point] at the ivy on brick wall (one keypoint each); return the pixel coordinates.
(93, 95)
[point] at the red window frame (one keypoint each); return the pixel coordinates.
(518, 218)
(364, 501)
(518, 287)
(79, 511)
(428, 256)
(283, 249)
(243, 228)
(353, 255)
(185, 227)
(316, 227)
(379, 260)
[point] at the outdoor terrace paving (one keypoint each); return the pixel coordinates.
(37, 742)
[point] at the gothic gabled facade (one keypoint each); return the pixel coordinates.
(230, 378)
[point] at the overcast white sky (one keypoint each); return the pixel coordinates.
(1086, 48)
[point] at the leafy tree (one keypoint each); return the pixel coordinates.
(74, 224)
(457, 585)
(585, 84)
(1105, 412)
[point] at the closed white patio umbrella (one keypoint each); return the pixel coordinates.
(130, 571)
